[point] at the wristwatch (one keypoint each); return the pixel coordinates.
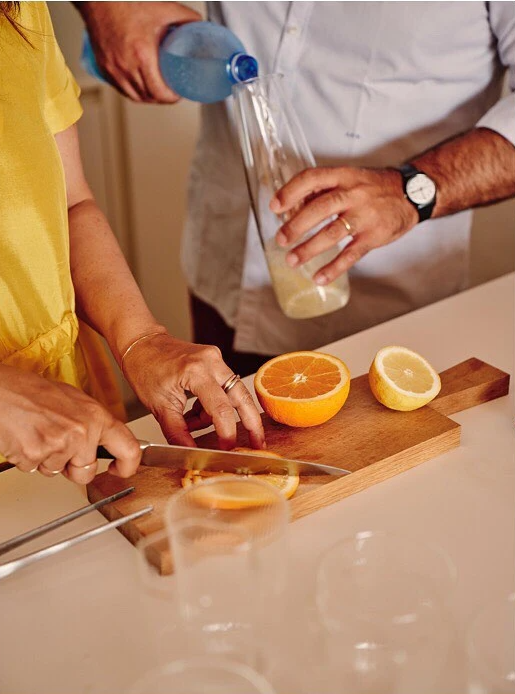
(419, 189)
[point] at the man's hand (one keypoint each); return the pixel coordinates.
(369, 204)
(125, 37)
(52, 427)
(161, 369)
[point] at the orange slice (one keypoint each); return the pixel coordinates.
(302, 389)
(234, 496)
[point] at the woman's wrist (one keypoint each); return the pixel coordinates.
(157, 331)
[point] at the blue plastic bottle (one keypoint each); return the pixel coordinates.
(199, 61)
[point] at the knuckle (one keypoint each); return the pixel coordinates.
(213, 353)
(225, 411)
(338, 197)
(333, 231)
(30, 453)
(246, 398)
(93, 413)
(78, 432)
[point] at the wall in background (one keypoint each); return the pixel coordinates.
(137, 159)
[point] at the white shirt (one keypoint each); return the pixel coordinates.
(374, 84)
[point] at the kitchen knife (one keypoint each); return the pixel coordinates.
(184, 458)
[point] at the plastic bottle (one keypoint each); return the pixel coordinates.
(199, 61)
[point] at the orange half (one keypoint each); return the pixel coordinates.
(302, 389)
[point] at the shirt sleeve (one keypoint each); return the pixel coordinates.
(501, 117)
(62, 106)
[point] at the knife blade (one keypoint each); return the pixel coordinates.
(184, 458)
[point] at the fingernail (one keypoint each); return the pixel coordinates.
(281, 239)
(275, 205)
(321, 279)
(292, 259)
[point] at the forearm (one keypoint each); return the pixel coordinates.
(107, 296)
(474, 169)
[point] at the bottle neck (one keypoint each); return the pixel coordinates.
(242, 67)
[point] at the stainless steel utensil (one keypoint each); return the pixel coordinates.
(184, 458)
(8, 545)
(11, 566)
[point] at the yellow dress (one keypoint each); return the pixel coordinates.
(39, 330)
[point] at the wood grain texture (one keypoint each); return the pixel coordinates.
(374, 443)
(469, 384)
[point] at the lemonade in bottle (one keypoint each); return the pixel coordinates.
(296, 292)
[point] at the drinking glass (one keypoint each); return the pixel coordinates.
(382, 601)
(274, 149)
(230, 565)
(158, 597)
(491, 648)
(202, 675)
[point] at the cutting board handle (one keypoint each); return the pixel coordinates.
(468, 384)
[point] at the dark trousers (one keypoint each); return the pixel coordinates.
(209, 328)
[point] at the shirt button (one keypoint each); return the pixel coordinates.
(292, 30)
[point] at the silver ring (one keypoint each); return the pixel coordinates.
(55, 472)
(346, 225)
(230, 383)
(30, 472)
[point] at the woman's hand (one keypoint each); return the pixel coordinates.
(52, 427)
(369, 204)
(161, 369)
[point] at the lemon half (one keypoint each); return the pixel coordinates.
(402, 379)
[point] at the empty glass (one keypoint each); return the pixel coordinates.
(202, 676)
(157, 593)
(382, 600)
(491, 648)
(274, 149)
(230, 564)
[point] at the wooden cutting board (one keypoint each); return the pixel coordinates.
(371, 441)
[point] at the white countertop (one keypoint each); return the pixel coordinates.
(75, 623)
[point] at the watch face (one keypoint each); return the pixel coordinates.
(420, 189)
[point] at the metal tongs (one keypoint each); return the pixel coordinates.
(10, 567)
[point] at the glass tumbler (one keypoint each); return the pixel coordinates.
(274, 149)
(158, 597)
(202, 675)
(228, 544)
(491, 648)
(382, 601)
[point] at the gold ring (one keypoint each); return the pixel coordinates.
(79, 467)
(346, 224)
(230, 383)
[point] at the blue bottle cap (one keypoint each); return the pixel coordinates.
(242, 67)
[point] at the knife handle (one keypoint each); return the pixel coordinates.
(103, 453)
